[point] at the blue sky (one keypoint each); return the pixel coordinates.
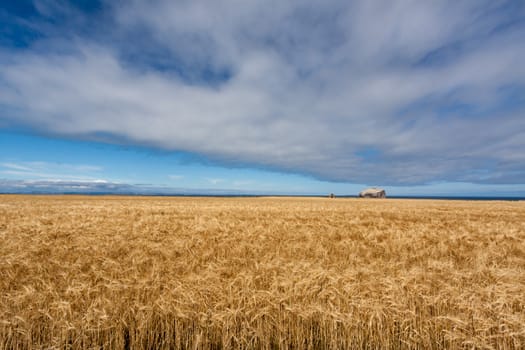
(263, 97)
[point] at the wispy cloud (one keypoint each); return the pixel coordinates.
(215, 181)
(243, 183)
(51, 171)
(16, 167)
(176, 177)
(390, 92)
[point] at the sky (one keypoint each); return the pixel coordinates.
(263, 97)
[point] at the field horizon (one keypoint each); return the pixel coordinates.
(262, 272)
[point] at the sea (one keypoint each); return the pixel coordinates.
(234, 195)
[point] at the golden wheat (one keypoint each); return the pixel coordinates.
(296, 273)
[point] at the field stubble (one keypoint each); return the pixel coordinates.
(304, 273)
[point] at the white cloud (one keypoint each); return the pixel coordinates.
(301, 87)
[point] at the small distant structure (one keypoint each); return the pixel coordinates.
(372, 192)
(331, 195)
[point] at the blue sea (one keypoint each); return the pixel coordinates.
(234, 195)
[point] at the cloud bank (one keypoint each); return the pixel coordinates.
(10, 186)
(385, 92)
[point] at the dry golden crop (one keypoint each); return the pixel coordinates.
(301, 273)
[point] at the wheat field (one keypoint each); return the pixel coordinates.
(80, 272)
